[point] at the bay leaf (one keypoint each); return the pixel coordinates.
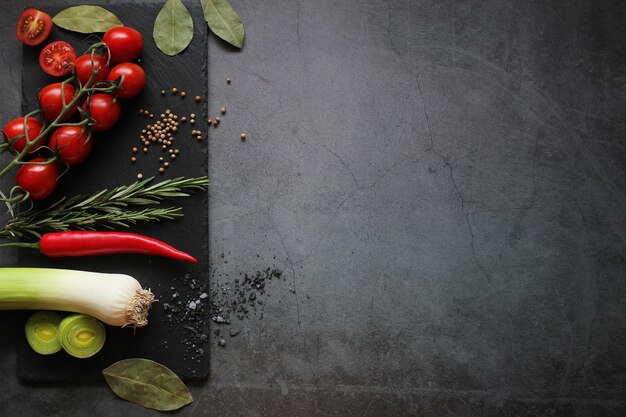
(86, 19)
(223, 21)
(147, 383)
(173, 28)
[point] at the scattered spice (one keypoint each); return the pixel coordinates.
(174, 90)
(183, 94)
(243, 136)
(223, 110)
(228, 80)
(198, 99)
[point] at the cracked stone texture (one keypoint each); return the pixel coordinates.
(442, 183)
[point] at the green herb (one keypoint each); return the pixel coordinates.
(106, 209)
(173, 28)
(223, 21)
(86, 19)
(147, 383)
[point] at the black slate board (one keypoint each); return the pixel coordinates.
(177, 340)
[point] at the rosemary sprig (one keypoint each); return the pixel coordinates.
(106, 209)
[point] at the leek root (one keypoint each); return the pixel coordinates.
(81, 336)
(115, 299)
(42, 331)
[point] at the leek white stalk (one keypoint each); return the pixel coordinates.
(114, 299)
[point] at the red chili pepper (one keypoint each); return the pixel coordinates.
(79, 243)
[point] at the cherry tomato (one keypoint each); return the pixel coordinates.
(134, 79)
(15, 129)
(56, 58)
(39, 180)
(83, 66)
(125, 44)
(104, 110)
(72, 143)
(33, 27)
(50, 98)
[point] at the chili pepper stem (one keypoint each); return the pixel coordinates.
(21, 245)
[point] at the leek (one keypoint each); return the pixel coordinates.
(81, 336)
(41, 332)
(114, 299)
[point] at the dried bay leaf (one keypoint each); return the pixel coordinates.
(147, 383)
(86, 19)
(173, 28)
(223, 21)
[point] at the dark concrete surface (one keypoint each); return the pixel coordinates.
(442, 183)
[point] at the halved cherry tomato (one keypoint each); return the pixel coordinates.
(134, 79)
(33, 27)
(84, 66)
(15, 129)
(56, 58)
(51, 96)
(104, 110)
(39, 180)
(125, 44)
(72, 143)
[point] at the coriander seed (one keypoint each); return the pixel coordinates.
(223, 110)
(243, 136)
(198, 99)
(174, 90)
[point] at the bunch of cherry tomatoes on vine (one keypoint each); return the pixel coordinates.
(58, 134)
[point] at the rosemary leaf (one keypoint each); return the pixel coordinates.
(106, 209)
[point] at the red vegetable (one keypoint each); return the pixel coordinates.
(33, 27)
(133, 81)
(72, 143)
(80, 243)
(14, 130)
(104, 110)
(84, 65)
(40, 180)
(51, 98)
(125, 44)
(56, 58)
